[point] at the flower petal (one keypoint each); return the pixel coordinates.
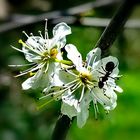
(106, 98)
(27, 84)
(93, 56)
(61, 30)
(65, 77)
(74, 56)
(59, 33)
(111, 82)
(82, 116)
(68, 110)
(39, 80)
(36, 43)
(34, 48)
(71, 100)
(56, 79)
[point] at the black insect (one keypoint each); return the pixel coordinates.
(108, 69)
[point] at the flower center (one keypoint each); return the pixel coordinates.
(52, 55)
(85, 77)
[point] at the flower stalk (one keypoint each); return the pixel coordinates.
(61, 128)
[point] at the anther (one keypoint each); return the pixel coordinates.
(25, 34)
(31, 34)
(46, 30)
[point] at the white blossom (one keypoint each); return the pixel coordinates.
(43, 54)
(79, 84)
(76, 82)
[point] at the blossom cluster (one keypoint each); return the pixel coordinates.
(75, 82)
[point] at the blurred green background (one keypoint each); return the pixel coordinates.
(18, 117)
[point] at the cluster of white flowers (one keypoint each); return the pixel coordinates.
(74, 81)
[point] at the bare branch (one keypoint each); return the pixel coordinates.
(116, 25)
(62, 126)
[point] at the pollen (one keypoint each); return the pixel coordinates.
(21, 42)
(53, 53)
(31, 74)
(85, 77)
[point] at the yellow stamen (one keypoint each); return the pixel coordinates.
(21, 42)
(25, 45)
(53, 53)
(86, 77)
(32, 73)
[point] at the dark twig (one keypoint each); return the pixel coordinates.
(61, 128)
(116, 25)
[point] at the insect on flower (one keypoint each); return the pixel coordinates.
(44, 55)
(76, 82)
(109, 73)
(79, 84)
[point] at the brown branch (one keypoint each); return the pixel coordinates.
(116, 25)
(61, 129)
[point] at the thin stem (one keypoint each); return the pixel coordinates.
(61, 129)
(116, 25)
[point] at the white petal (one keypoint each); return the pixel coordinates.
(112, 84)
(65, 77)
(36, 43)
(61, 30)
(108, 108)
(27, 84)
(93, 56)
(39, 80)
(31, 57)
(118, 89)
(68, 110)
(59, 33)
(56, 79)
(59, 56)
(74, 56)
(82, 116)
(35, 48)
(106, 98)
